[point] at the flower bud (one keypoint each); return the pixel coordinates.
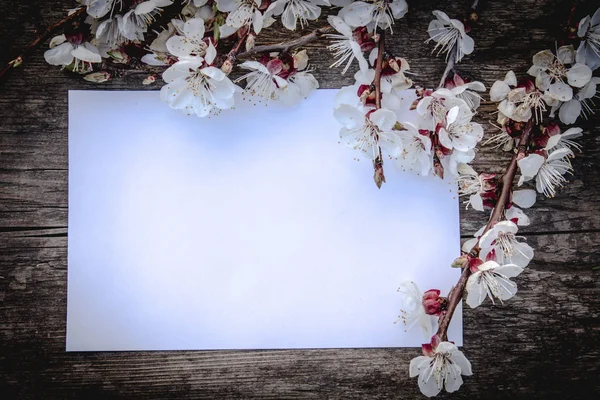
(97, 77)
(150, 79)
(227, 66)
(378, 175)
(460, 262)
(16, 62)
(438, 168)
(250, 41)
(119, 56)
(433, 303)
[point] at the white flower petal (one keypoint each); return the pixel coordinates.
(579, 75)
(530, 165)
(384, 119)
(561, 91)
(570, 111)
(59, 55)
(524, 198)
(349, 116)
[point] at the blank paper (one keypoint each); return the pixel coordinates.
(252, 229)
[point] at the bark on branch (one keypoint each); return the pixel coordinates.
(286, 46)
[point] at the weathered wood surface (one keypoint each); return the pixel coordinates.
(542, 344)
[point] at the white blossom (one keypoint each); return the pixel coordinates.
(344, 47)
(370, 132)
(467, 91)
(263, 80)
(449, 34)
(436, 108)
(548, 171)
(109, 32)
(135, 22)
(442, 367)
(294, 11)
(195, 86)
(557, 75)
(580, 104)
(501, 244)
(412, 311)
(395, 81)
(565, 140)
(472, 184)
(99, 8)
(191, 45)
(373, 13)
(299, 86)
(588, 51)
(242, 13)
(459, 132)
(80, 56)
(492, 280)
(416, 150)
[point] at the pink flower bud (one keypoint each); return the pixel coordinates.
(433, 303)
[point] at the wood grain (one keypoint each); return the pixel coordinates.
(542, 344)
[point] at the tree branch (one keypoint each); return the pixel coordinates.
(378, 69)
(39, 39)
(378, 175)
(286, 46)
(506, 181)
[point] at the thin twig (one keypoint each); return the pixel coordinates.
(39, 39)
(237, 47)
(378, 174)
(286, 46)
(378, 69)
(456, 294)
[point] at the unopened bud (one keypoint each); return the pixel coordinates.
(399, 127)
(438, 168)
(460, 262)
(227, 66)
(149, 80)
(433, 303)
(119, 56)
(97, 77)
(250, 41)
(16, 62)
(378, 175)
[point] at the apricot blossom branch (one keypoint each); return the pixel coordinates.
(41, 37)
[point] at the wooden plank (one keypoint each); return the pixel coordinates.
(539, 344)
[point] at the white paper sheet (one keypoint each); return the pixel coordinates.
(253, 229)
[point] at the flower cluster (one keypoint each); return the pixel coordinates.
(433, 133)
(558, 83)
